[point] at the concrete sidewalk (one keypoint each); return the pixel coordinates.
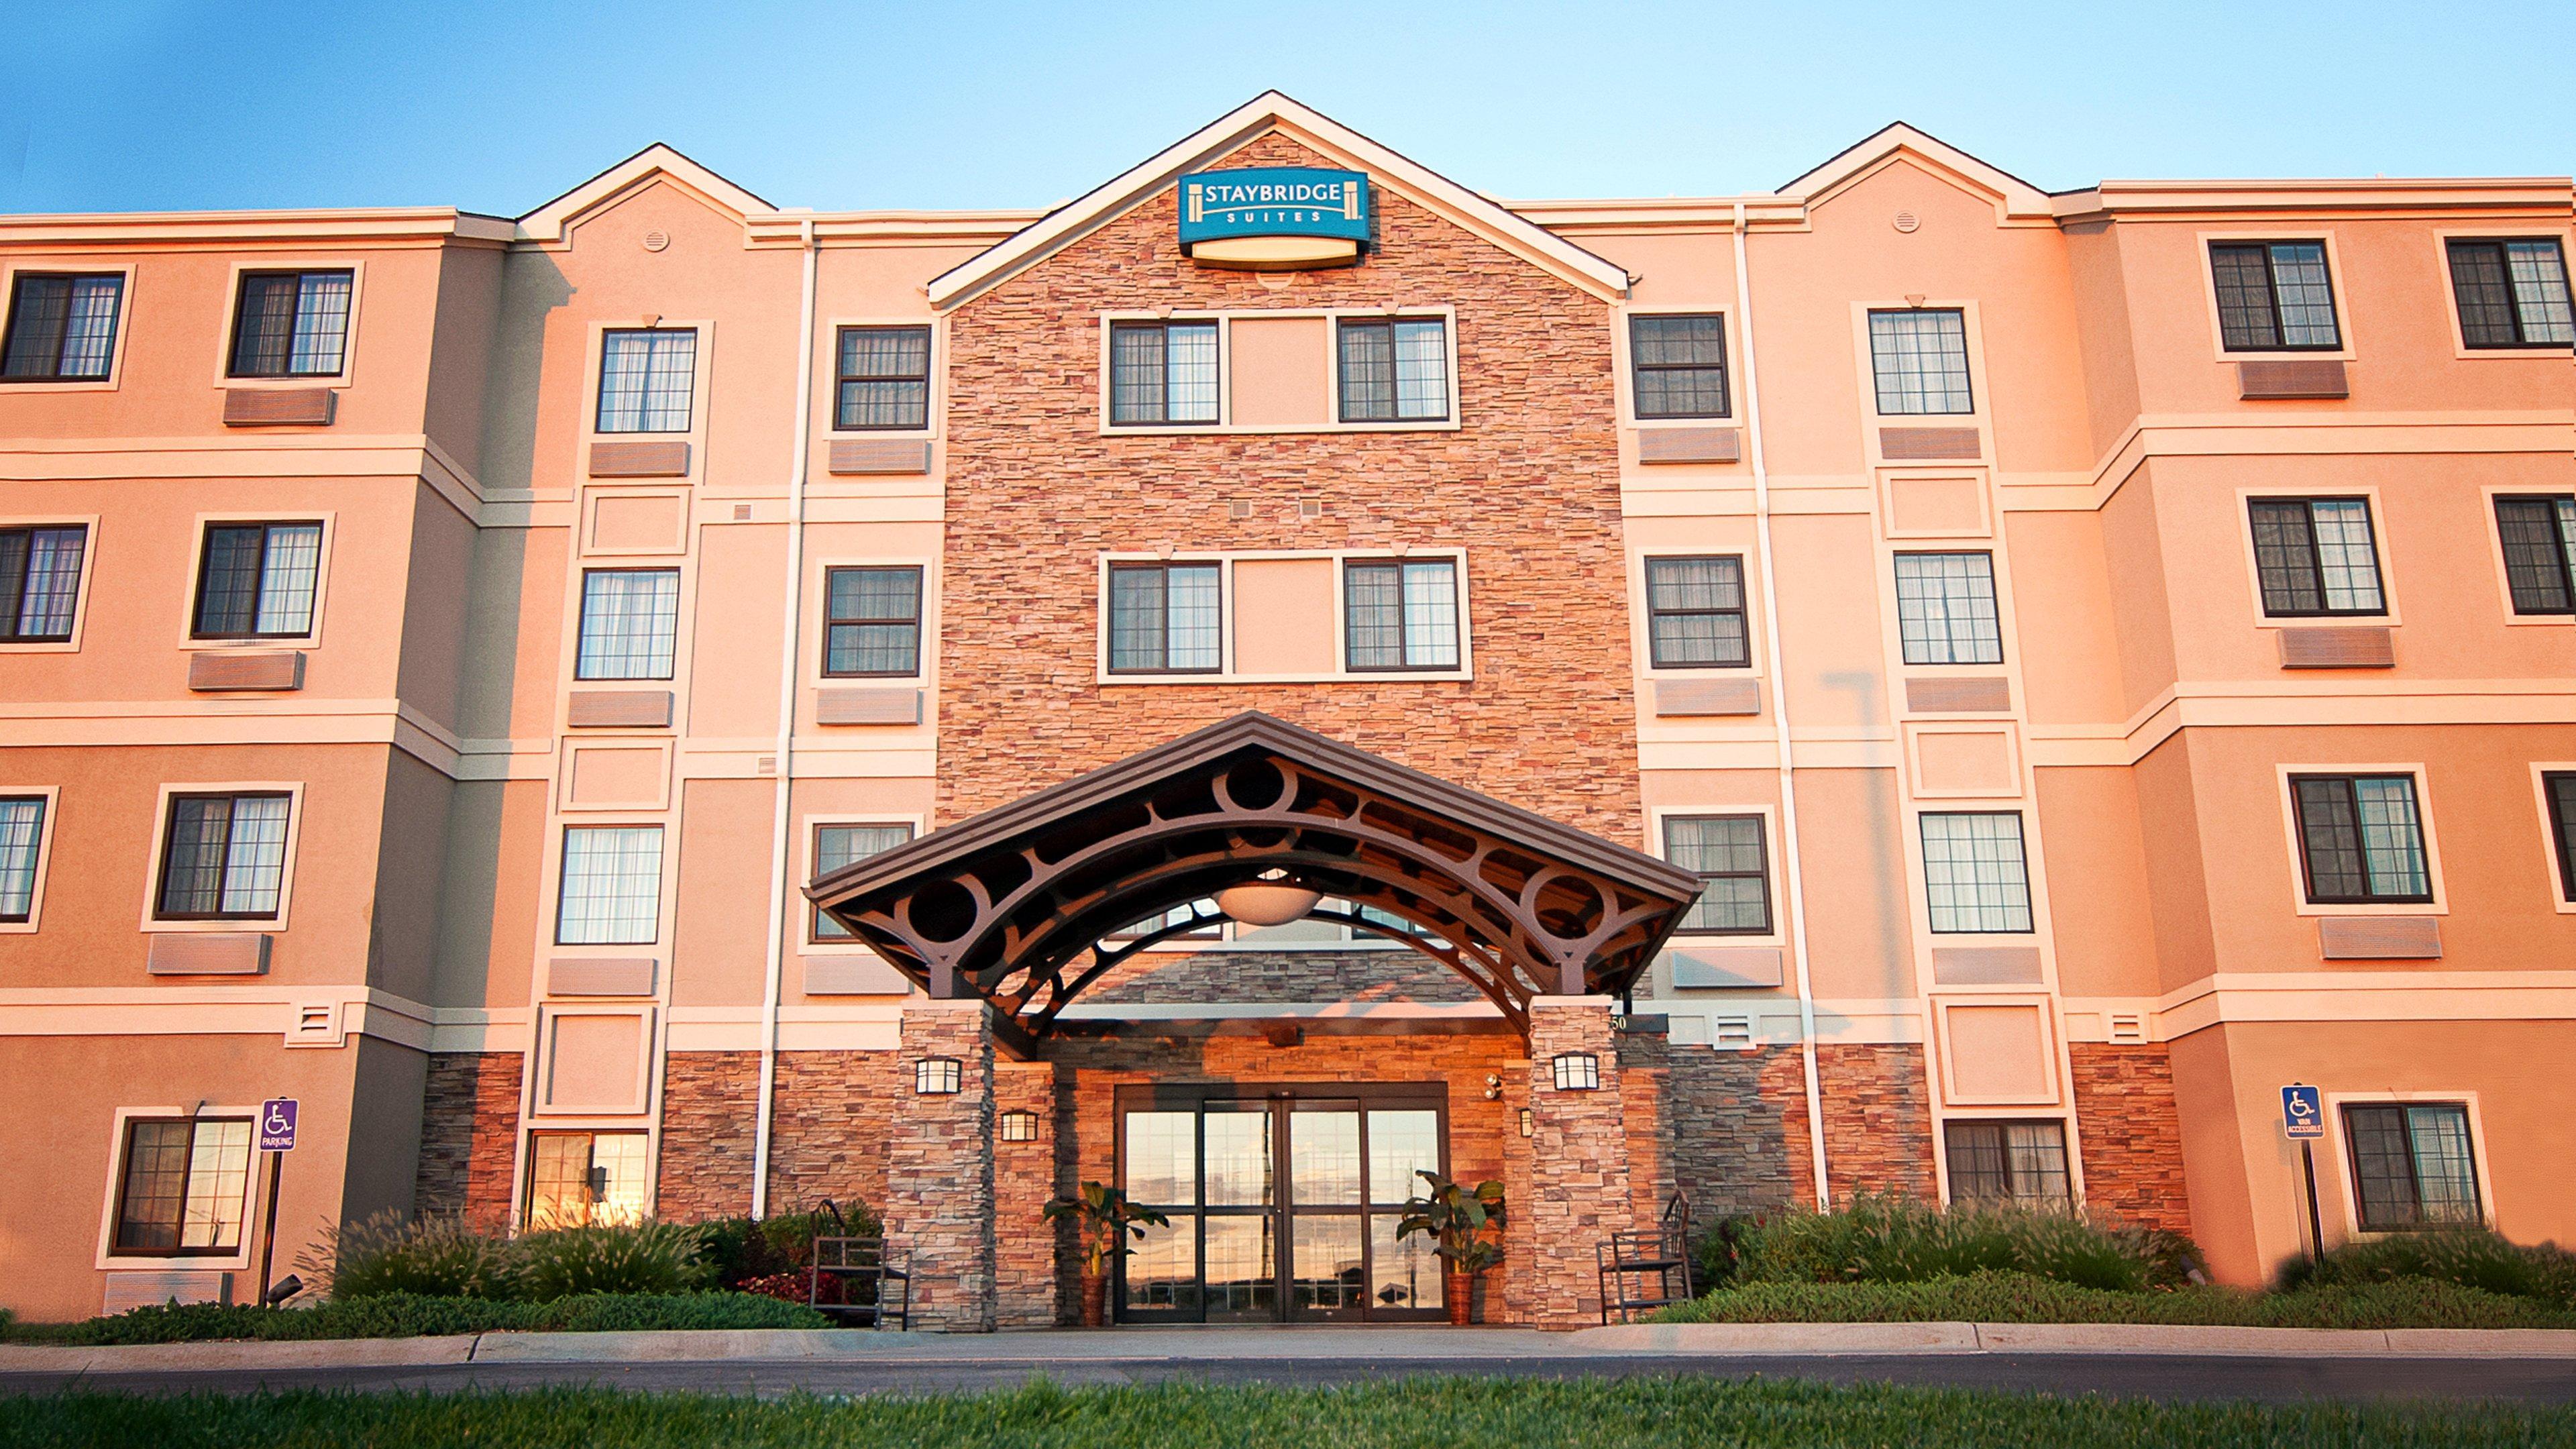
(1448, 1346)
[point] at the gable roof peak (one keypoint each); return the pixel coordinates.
(659, 161)
(2016, 201)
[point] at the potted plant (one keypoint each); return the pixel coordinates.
(1457, 1217)
(1106, 1218)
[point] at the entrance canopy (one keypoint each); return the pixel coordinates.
(1011, 906)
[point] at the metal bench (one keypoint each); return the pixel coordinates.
(1641, 1270)
(872, 1282)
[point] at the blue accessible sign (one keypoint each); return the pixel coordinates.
(277, 1125)
(2303, 1113)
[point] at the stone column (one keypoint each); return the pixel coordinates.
(1578, 1174)
(1027, 1287)
(939, 1168)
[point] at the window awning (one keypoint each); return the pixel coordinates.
(1012, 905)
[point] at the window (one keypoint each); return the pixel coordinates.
(1401, 614)
(2361, 838)
(884, 378)
(1162, 372)
(1677, 366)
(2316, 556)
(1695, 613)
(1163, 619)
(839, 845)
(1395, 371)
(223, 857)
(1945, 608)
(2512, 293)
(630, 623)
(585, 1179)
(2021, 1164)
(181, 1190)
(1921, 358)
(22, 838)
(292, 324)
(2539, 536)
(2412, 1165)
(2274, 297)
(872, 623)
(40, 573)
(256, 580)
(2560, 787)
(612, 886)
(645, 379)
(1180, 915)
(63, 329)
(1726, 853)
(1974, 873)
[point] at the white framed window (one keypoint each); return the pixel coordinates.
(1919, 357)
(1974, 872)
(2537, 533)
(1677, 366)
(1695, 613)
(872, 621)
(881, 379)
(1945, 608)
(630, 624)
(1399, 614)
(611, 890)
(647, 379)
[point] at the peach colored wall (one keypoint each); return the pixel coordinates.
(2105, 927)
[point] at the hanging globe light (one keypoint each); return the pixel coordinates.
(1269, 899)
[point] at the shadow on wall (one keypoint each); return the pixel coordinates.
(1889, 932)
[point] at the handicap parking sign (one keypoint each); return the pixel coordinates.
(277, 1125)
(2303, 1112)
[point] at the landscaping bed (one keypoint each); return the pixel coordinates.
(1596, 1414)
(410, 1315)
(1992, 1297)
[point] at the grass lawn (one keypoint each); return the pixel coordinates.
(1470, 1413)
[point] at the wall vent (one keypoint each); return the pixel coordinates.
(742, 513)
(1732, 1030)
(1239, 510)
(2128, 1026)
(1310, 508)
(767, 765)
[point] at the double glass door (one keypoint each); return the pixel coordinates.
(1283, 1202)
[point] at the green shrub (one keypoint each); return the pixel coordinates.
(404, 1315)
(1874, 1239)
(743, 1249)
(2025, 1298)
(648, 1257)
(2471, 1257)
(435, 1256)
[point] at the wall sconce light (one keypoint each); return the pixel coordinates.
(935, 1077)
(1577, 1072)
(1019, 1126)
(1529, 1123)
(1493, 1086)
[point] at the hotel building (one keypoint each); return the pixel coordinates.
(672, 705)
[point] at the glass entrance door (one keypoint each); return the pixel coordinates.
(1248, 1242)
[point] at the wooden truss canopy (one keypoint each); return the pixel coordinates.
(1013, 906)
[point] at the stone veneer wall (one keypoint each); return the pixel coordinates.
(1036, 1264)
(828, 1119)
(1245, 976)
(1579, 1162)
(1878, 1118)
(1529, 484)
(710, 1113)
(939, 1161)
(469, 1132)
(2130, 1132)
(1701, 1123)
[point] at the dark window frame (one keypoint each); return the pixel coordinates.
(832, 621)
(2452, 247)
(1163, 394)
(119, 1248)
(844, 380)
(170, 843)
(1950, 637)
(1761, 873)
(2558, 797)
(2272, 295)
(2316, 568)
(233, 367)
(1638, 368)
(1352, 568)
(590, 1159)
(259, 578)
(1345, 327)
(18, 288)
(1742, 613)
(2561, 550)
(2414, 1165)
(1959, 1133)
(1109, 618)
(2351, 802)
(13, 590)
(1932, 905)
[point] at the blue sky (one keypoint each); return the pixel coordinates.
(498, 106)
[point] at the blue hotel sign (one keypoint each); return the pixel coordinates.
(1235, 216)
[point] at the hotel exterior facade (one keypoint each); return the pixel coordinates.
(675, 706)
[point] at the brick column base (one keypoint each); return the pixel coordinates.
(939, 1169)
(1578, 1163)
